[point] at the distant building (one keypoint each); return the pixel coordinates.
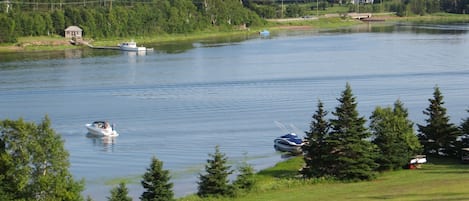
(361, 1)
(73, 32)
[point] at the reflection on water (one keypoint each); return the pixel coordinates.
(179, 106)
(106, 142)
(183, 46)
(135, 53)
(417, 28)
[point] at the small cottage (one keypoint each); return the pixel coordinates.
(73, 32)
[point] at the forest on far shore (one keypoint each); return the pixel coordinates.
(123, 18)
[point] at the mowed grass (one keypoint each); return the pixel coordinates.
(440, 179)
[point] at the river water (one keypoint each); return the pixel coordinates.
(180, 101)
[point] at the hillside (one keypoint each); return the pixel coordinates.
(440, 179)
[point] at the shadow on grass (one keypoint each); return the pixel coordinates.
(444, 165)
(287, 169)
(424, 197)
(281, 174)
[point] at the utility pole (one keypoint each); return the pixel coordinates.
(282, 10)
(8, 5)
(317, 8)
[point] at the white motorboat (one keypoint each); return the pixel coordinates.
(131, 46)
(264, 33)
(289, 143)
(101, 128)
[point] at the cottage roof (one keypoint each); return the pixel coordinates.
(73, 28)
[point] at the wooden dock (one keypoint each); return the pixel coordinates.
(105, 47)
(85, 43)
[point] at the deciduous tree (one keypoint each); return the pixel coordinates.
(394, 135)
(34, 163)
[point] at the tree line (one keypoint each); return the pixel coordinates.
(124, 18)
(34, 164)
(343, 148)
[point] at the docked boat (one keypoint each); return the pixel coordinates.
(131, 46)
(289, 143)
(264, 33)
(101, 128)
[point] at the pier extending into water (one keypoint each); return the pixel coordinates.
(86, 43)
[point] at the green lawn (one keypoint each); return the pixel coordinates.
(440, 179)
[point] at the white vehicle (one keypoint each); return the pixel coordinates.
(101, 128)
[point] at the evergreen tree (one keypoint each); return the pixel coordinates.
(465, 126)
(351, 155)
(465, 133)
(438, 135)
(245, 180)
(215, 181)
(156, 183)
(34, 163)
(316, 148)
(120, 193)
(394, 135)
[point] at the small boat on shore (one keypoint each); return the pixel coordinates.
(289, 143)
(101, 128)
(264, 33)
(132, 46)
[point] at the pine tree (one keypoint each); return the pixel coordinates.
(351, 155)
(120, 193)
(156, 183)
(438, 135)
(465, 132)
(215, 181)
(394, 135)
(316, 148)
(245, 180)
(465, 126)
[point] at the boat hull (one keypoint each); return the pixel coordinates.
(286, 146)
(133, 49)
(101, 132)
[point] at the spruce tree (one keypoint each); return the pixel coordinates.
(394, 135)
(215, 182)
(465, 126)
(438, 135)
(465, 133)
(245, 181)
(316, 148)
(351, 155)
(156, 183)
(120, 193)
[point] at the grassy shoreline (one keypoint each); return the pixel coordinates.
(439, 179)
(52, 43)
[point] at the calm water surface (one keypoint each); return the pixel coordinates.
(180, 101)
